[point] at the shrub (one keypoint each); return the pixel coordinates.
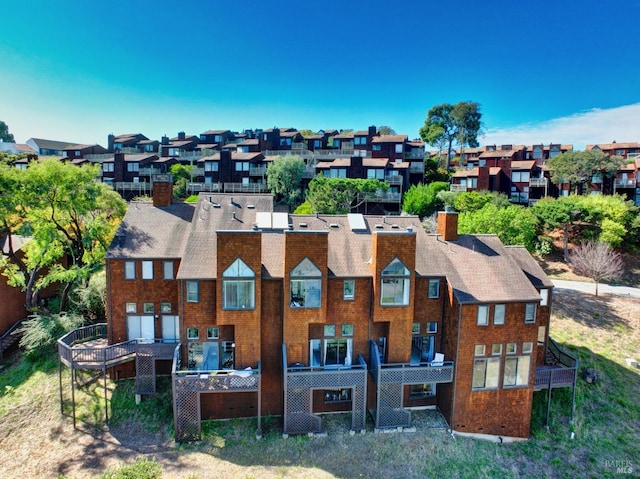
(41, 331)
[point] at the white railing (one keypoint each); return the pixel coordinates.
(193, 188)
(393, 180)
(415, 167)
(624, 183)
(536, 182)
(457, 188)
(245, 188)
(257, 170)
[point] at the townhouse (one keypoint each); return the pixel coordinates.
(295, 316)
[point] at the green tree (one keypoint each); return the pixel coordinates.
(386, 130)
(337, 195)
(514, 225)
(578, 168)
(460, 123)
(181, 176)
(469, 201)
(4, 133)
(69, 219)
(422, 200)
(284, 179)
(432, 172)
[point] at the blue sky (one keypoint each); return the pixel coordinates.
(546, 71)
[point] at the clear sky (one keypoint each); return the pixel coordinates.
(544, 71)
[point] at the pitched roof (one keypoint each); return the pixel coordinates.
(51, 144)
(479, 268)
(523, 165)
(389, 139)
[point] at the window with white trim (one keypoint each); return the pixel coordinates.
(496, 349)
(348, 289)
(483, 315)
(193, 291)
(147, 270)
(498, 314)
(395, 285)
(141, 328)
(434, 289)
(305, 285)
(530, 313)
(167, 270)
(238, 286)
(129, 270)
(544, 297)
(330, 352)
(170, 328)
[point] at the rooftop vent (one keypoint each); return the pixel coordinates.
(394, 226)
(334, 225)
(302, 225)
(251, 206)
(379, 226)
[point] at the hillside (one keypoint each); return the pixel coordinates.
(38, 442)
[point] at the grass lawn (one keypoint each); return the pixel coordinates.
(38, 442)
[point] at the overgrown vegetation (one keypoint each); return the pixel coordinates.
(600, 331)
(333, 196)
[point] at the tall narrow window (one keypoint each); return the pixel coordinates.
(348, 289)
(129, 270)
(167, 269)
(434, 288)
(483, 315)
(238, 286)
(395, 284)
(516, 371)
(147, 270)
(193, 292)
(530, 313)
(498, 314)
(305, 285)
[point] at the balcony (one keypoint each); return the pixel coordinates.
(414, 155)
(624, 183)
(150, 171)
(142, 187)
(304, 154)
(300, 382)
(538, 182)
(245, 188)
(257, 171)
(457, 188)
(195, 188)
(393, 179)
(390, 379)
(416, 167)
(559, 369)
(385, 197)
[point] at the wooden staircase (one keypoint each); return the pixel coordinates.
(11, 337)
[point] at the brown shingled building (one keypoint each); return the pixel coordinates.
(294, 316)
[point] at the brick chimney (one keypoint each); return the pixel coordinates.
(162, 190)
(448, 225)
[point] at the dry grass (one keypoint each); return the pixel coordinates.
(38, 442)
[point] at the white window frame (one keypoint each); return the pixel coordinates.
(129, 270)
(170, 328)
(349, 289)
(395, 278)
(499, 314)
(167, 270)
(238, 286)
(482, 318)
(141, 327)
(147, 269)
(530, 313)
(544, 297)
(305, 285)
(193, 291)
(434, 289)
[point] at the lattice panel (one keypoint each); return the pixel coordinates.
(417, 375)
(390, 412)
(187, 415)
(145, 374)
(299, 417)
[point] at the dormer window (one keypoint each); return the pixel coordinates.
(306, 285)
(395, 285)
(238, 286)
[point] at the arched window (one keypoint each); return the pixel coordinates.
(306, 285)
(238, 286)
(395, 284)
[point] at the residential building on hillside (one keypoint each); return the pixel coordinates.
(296, 316)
